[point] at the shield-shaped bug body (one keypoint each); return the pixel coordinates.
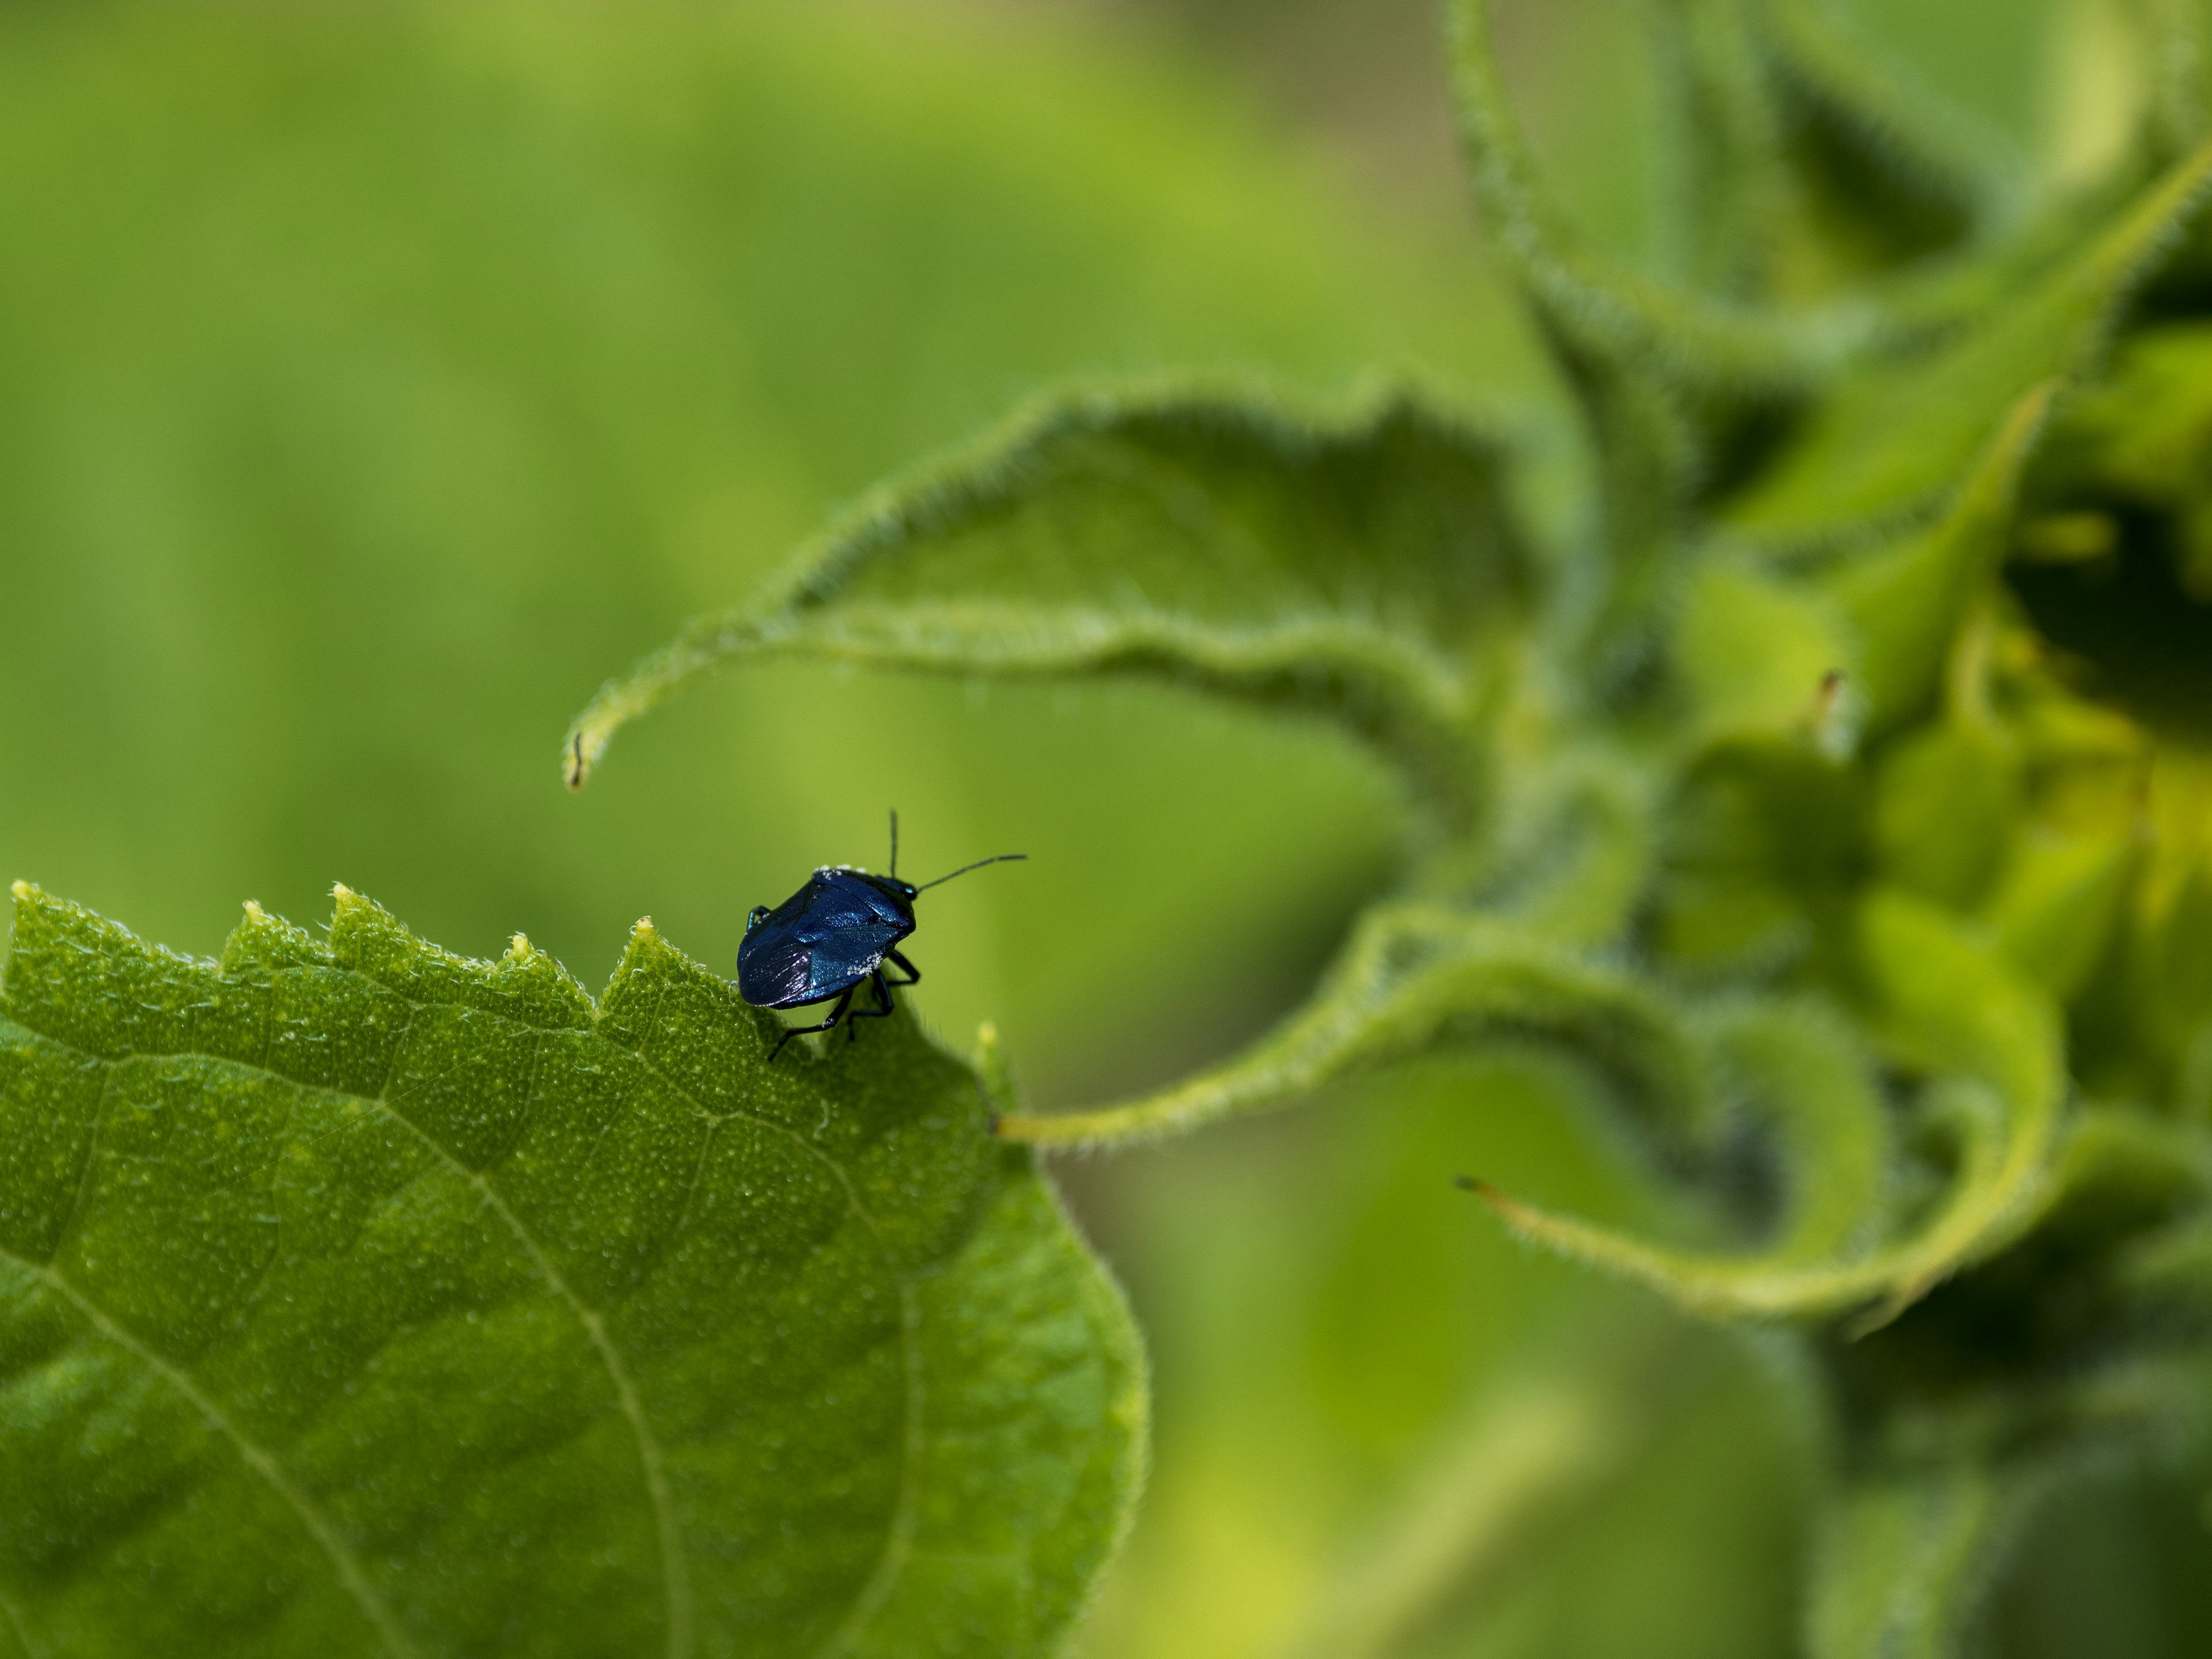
(837, 933)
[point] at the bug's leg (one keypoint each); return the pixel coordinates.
(884, 1009)
(790, 1031)
(913, 973)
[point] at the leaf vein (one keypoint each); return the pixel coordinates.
(676, 1577)
(91, 1155)
(906, 1510)
(256, 1456)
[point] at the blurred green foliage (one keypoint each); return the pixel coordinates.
(372, 380)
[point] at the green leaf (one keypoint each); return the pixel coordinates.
(1897, 431)
(1908, 1557)
(1889, 171)
(358, 1299)
(2175, 115)
(2057, 902)
(1947, 797)
(1798, 1072)
(1657, 371)
(1573, 850)
(2139, 436)
(1413, 977)
(1730, 175)
(1519, 1467)
(1944, 1002)
(1906, 600)
(1592, 306)
(1753, 649)
(1368, 569)
(1765, 839)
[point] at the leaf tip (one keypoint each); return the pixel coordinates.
(254, 912)
(21, 890)
(1837, 716)
(642, 928)
(577, 757)
(519, 946)
(340, 892)
(1503, 1207)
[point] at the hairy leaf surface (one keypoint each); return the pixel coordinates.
(1367, 570)
(1899, 430)
(1414, 976)
(355, 1298)
(1908, 1559)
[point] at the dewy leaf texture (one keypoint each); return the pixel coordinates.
(358, 1299)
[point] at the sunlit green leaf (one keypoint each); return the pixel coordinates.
(1905, 600)
(1754, 650)
(1897, 433)
(1908, 1559)
(1948, 797)
(358, 1299)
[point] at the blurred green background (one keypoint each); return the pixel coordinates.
(376, 380)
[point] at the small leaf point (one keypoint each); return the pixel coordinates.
(20, 889)
(519, 946)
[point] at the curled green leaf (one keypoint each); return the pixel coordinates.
(1413, 977)
(1658, 370)
(1909, 1556)
(1947, 1003)
(1801, 1076)
(1591, 303)
(1895, 171)
(1899, 429)
(1730, 175)
(1367, 569)
(1906, 601)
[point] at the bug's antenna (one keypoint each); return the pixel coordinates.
(894, 840)
(1003, 858)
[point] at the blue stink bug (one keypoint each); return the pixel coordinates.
(831, 937)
